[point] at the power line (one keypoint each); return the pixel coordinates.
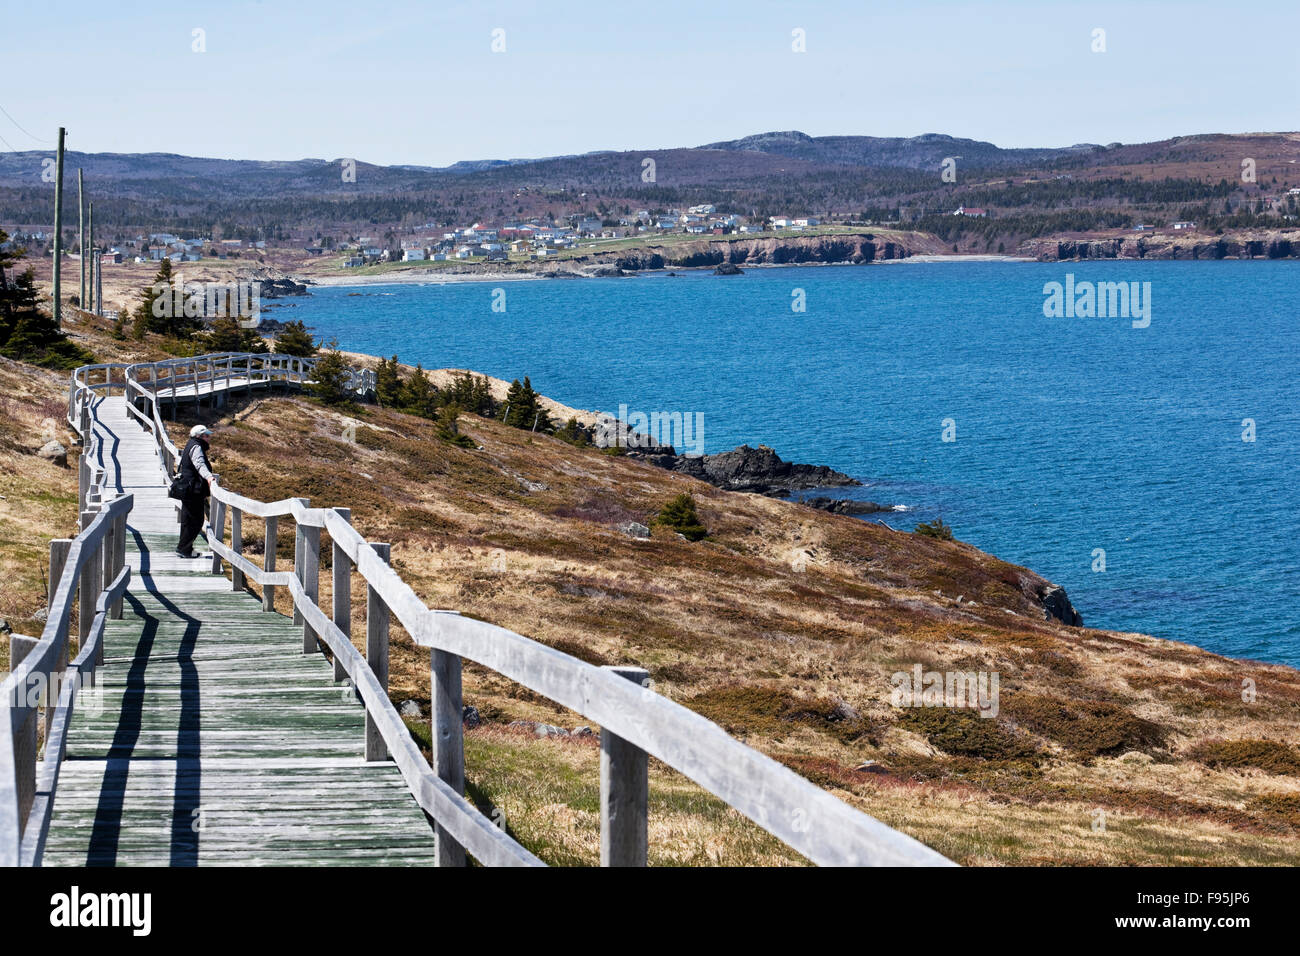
(47, 142)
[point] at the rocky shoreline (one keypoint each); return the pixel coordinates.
(759, 470)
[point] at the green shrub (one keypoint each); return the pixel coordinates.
(964, 733)
(449, 429)
(1093, 728)
(679, 514)
(935, 529)
(1270, 756)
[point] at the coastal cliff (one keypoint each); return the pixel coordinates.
(1192, 246)
(791, 250)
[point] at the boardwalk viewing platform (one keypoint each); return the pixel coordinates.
(192, 724)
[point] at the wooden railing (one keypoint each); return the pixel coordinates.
(148, 385)
(635, 722)
(91, 568)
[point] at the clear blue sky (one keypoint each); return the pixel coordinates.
(417, 82)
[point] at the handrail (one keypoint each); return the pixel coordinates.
(97, 554)
(212, 369)
(635, 720)
(800, 814)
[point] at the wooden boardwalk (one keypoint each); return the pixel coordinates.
(214, 732)
(212, 738)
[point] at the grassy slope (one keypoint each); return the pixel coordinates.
(796, 663)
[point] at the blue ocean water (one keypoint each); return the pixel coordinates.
(1072, 434)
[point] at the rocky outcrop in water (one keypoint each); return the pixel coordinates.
(759, 470)
(844, 506)
(279, 288)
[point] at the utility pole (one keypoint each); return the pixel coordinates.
(81, 235)
(90, 236)
(99, 285)
(58, 228)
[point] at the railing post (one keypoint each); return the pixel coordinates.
(448, 732)
(87, 592)
(376, 655)
(341, 570)
(119, 562)
(310, 582)
(624, 792)
(268, 561)
(59, 548)
(237, 546)
(83, 476)
(298, 551)
(24, 742)
(216, 527)
(107, 559)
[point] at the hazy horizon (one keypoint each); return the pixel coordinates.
(412, 85)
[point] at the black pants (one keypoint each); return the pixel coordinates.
(191, 521)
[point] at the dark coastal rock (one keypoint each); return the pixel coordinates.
(278, 288)
(758, 470)
(271, 327)
(608, 272)
(1056, 605)
(728, 269)
(844, 506)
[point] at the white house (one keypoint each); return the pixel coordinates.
(1184, 225)
(413, 255)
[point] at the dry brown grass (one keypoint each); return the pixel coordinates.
(798, 663)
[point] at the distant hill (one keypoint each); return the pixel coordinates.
(916, 152)
(1028, 193)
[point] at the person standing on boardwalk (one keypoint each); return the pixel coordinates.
(191, 488)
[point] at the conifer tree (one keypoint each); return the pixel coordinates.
(389, 388)
(421, 396)
(145, 321)
(679, 514)
(294, 339)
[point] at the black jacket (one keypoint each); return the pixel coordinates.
(189, 482)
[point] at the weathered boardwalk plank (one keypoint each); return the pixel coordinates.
(210, 737)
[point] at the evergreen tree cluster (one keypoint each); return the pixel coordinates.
(523, 408)
(26, 333)
(415, 394)
(173, 321)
